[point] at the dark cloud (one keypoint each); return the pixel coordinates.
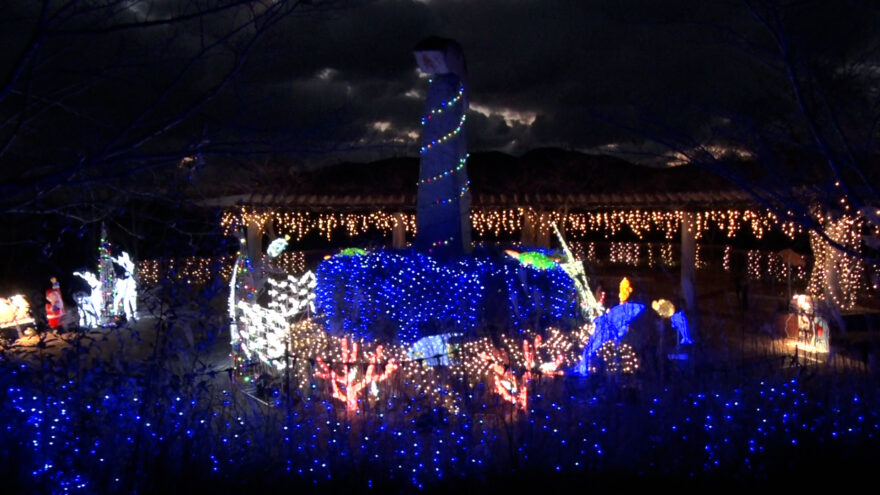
(576, 73)
(565, 73)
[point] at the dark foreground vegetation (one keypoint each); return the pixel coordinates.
(82, 413)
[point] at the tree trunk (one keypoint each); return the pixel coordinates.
(398, 235)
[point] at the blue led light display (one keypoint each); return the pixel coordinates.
(609, 326)
(101, 438)
(407, 296)
(680, 324)
(433, 350)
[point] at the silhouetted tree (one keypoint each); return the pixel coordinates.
(106, 101)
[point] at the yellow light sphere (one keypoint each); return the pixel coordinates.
(663, 307)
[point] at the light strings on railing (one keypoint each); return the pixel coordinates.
(511, 221)
(300, 224)
(199, 270)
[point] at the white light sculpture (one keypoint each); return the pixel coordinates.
(263, 334)
(14, 311)
(89, 305)
(126, 288)
(277, 246)
(293, 296)
(590, 308)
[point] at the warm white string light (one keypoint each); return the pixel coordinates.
(199, 270)
(510, 221)
(836, 274)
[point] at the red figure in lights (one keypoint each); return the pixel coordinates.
(516, 391)
(347, 379)
(54, 304)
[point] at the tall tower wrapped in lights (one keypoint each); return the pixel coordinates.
(444, 201)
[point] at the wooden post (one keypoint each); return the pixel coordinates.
(398, 234)
(527, 236)
(254, 241)
(542, 236)
(688, 272)
(255, 247)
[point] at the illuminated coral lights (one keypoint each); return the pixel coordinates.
(347, 385)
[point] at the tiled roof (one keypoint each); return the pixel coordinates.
(584, 201)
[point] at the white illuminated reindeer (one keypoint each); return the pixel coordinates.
(126, 289)
(89, 306)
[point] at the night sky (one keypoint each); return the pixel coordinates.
(337, 80)
(116, 110)
(574, 74)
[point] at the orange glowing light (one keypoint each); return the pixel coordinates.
(14, 311)
(625, 290)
